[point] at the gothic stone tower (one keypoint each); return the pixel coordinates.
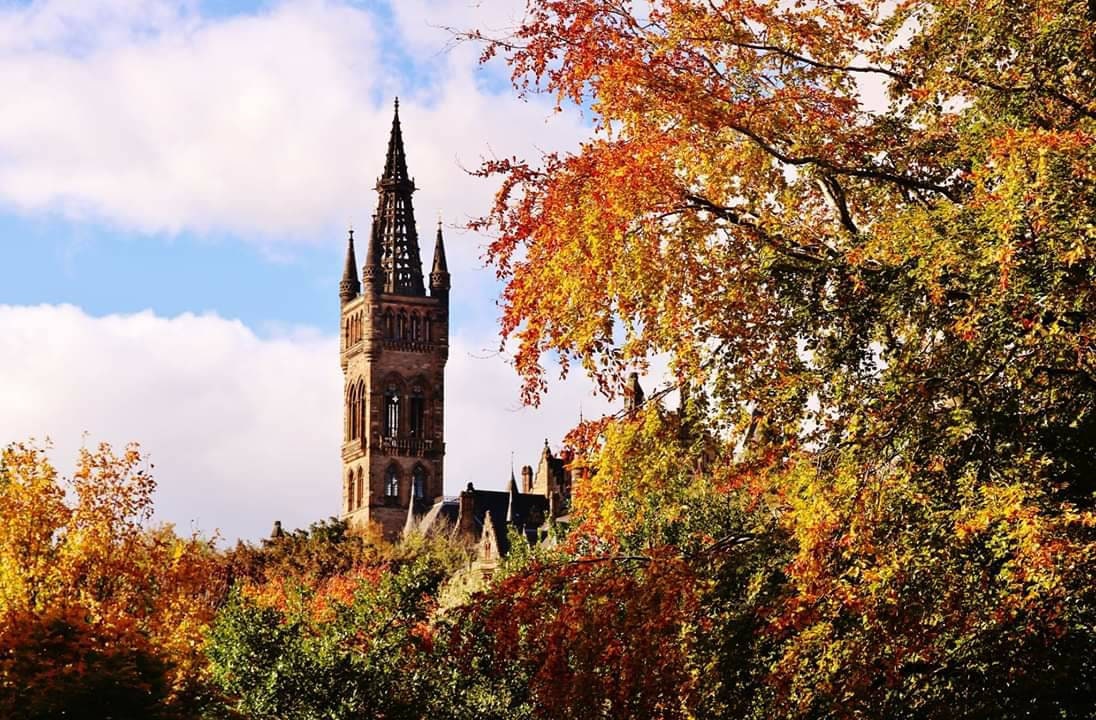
(395, 341)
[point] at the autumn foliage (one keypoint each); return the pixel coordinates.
(861, 234)
(101, 615)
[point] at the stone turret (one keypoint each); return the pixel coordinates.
(349, 287)
(439, 275)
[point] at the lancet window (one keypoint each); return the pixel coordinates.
(417, 419)
(392, 482)
(418, 483)
(391, 412)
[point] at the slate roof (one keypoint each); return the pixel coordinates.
(524, 511)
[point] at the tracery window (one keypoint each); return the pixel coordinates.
(417, 421)
(392, 482)
(360, 411)
(352, 413)
(391, 412)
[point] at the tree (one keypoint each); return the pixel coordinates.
(585, 638)
(888, 310)
(100, 615)
(328, 627)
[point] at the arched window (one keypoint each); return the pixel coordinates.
(417, 420)
(346, 332)
(416, 327)
(360, 411)
(352, 413)
(401, 330)
(428, 328)
(391, 412)
(361, 487)
(389, 329)
(392, 482)
(418, 483)
(350, 491)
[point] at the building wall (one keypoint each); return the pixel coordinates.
(379, 362)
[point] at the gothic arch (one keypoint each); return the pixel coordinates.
(363, 424)
(351, 412)
(393, 391)
(401, 325)
(392, 477)
(418, 398)
(350, 490)
(389, 324)
(419, 480)
(361, 488)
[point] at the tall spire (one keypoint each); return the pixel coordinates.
(394, 223)
(395, 162)
(439, 275)
(349, 287)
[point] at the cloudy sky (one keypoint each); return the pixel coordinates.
(176, 181)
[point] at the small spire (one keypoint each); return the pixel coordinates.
(277, 532)
(511, 505)
(439, 275)
(349, 287)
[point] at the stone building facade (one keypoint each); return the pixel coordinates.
(394, 345)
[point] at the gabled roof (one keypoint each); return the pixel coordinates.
(495, 510)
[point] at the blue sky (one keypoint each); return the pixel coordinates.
(108, 270)
(176, 180)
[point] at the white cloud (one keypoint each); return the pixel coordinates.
(143, 114)
(272, 125)
(242, 430)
